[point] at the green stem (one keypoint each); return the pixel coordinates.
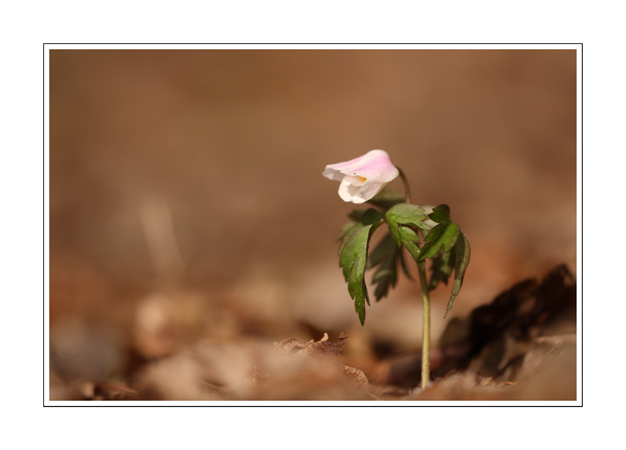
(426, 328)
(425, 300)
(407, 189)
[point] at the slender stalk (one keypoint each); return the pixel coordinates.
(425, 300)
(407, 189)
(426, 328)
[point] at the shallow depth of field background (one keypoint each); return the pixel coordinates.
(187, 202)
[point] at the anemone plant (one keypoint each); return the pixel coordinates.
(426, 233)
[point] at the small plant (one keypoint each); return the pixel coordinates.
(425, 233)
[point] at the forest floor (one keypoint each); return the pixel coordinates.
(519, 346)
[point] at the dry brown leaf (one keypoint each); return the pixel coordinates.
(324, 348)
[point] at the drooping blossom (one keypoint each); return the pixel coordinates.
(363, 177)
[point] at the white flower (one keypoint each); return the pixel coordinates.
(364, 177)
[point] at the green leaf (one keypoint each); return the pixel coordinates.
(443, 235)
(365, 216)
(386, 198)
(435, 233)
(353, 259)
(407, 214)
(404, 267)
(410, 239)
(357, 271)
(352, 246)
(345, 229)
(441, 269)
(345, 235)
(404, 219)
(385, 249)
(440, 214)
(450, 236)
(359, 304)
(462, 257)
(360, 217)
(387, 254)
(371, 216)
(407, 234)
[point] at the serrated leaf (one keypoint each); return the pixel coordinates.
(360, 217)
(407, 214)
(386, 253)
(386, 248)
(347, 235)
(436, 233)
(359, 305)
(462, 256)
(404, 219)
(383, 274)
(441, 269)
(345, 228)
(450, 236)
(357, 271)
(404, 267)
(443, 235)
(410, 239)
(413, 249)
(353, 260)
(365, 216)
(440, 214)
(407, 234)
(353, 245)
(371, 216)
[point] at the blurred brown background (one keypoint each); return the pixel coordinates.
(186, 196)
